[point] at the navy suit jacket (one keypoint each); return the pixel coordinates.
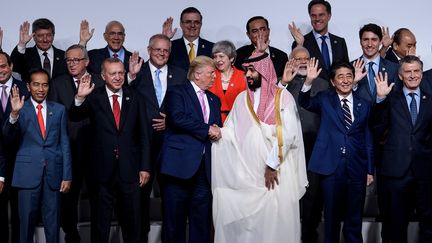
(179, 56)
(37, 156)
(338, 46)
(278, 57)
(391, 56)
(115, 152)
(97, 56)
(144, 85)
(404, 146)
(334, 142)
(9, 149)
(23, 63)
(186, 135)
(363, 89)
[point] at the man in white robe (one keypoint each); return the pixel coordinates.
(258, 167)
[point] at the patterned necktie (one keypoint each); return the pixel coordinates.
(116, 110)
(115, 55)
(201, 95)
(47, 63)
(191, 52)
(325, 52)
(158, 87)
(371, 76)
(4, 97)
(40, 120)
(347, 114)
(413, 108)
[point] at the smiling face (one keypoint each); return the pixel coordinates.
(343, 81)
(159, 52)
(370, 44)
(407, 44)
(43, 38)
(319, 18)
(191, 26)
(114, 74)
(301, 58)
(38, 86)
(204, 77)
(114, 35)
(222, 61)
(411, 74)
(76, 63)
(5, 69)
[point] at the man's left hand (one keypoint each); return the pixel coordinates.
(65, 186)
(159, 123)
(370, 180)
(1, 186)
(144, 177)
(271, 178)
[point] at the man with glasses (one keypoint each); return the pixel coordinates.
(190, 45)
(154, 78)
(63, 90)
(298, 70)
(42, 55)
(114, 35)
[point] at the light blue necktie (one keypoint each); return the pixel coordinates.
(371, 74)
(413, 108)
(158, 86)
(325, 52)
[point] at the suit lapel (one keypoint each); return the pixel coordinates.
(425, 102)
(357, 110)
(194, 100)
(148, 76)
(31, 110)
(126, 99)
(49, 114)
(104, 103)
(36, 58)
(336, 105)
(404, 105)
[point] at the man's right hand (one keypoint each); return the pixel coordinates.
(296, 34)
(271, 178)
(25, 35)
(135, 63)
(17, 102)
(85, 88)
(85, 33)
(382, 87)
(290, 71)
(167, 28)
(214, 132)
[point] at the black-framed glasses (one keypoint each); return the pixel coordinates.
(74, 60)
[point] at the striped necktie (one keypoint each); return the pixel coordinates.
(347, 114)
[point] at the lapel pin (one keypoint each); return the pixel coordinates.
(211, 98)
(424, 97)
(232, 85)
(202, 46)
(335, 41)
(50, 113)
(57, 58)
(273, 56)
(383, 69)
(127, 98)
(359, 104)
(169, 76)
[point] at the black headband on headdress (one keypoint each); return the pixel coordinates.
(256, 59)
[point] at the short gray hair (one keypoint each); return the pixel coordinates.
(226, 47)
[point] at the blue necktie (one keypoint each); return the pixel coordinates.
(347, 114)
(413, 108)
(325, 53)
(158, 86)
(371, 75)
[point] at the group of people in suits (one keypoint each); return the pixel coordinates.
(132, 121)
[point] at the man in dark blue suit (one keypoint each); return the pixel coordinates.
(404, 43)
(43, 161)
(114, 35)
(152, 82)
(370, 41)
(42, 55)
(190, 45)
(342, 154)
(9, 194)
(402, 118)
(193, 117)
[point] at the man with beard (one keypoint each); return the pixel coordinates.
(256, 194)
(298, 70)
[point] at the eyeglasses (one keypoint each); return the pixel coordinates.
(304, 59)
(112, 34)
(191, 22)
(160, 50)
(74, 60)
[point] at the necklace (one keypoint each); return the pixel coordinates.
(227, 80)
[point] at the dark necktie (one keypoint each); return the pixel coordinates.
(47, 63)
(325, 52)
(413, 108)
(371, 75)
(116, 110)
(115, 55)
(40, 120)
(347, 114)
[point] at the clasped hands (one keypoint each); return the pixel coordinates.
(214, 132)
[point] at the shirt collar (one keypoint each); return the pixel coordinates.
(36, 103)
(50, 51)
(407, 91)
(318, 35)
(119, 53)
(196, 88)
(110, 93)
(195, 42)
(8, 83)
(153, 68)
(348, 97)
(376, 60)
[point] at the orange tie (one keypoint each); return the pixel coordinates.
(116, 110)
(40, 120)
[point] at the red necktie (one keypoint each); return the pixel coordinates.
(40, 120)
(116, 110)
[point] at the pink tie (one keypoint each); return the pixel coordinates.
(202, 103)
(4, 98)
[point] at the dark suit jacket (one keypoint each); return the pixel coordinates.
(310, 121)
(338, 46)
(10, 149)
(144, 85)
(63, 91)
(390, 56)
(404, 146)
(186, 135)
(278, 57)
(97, 56)
(336, 143)
(179, 56)
(38, 157)
(122, 152)
(23, 63)
(363, 89)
